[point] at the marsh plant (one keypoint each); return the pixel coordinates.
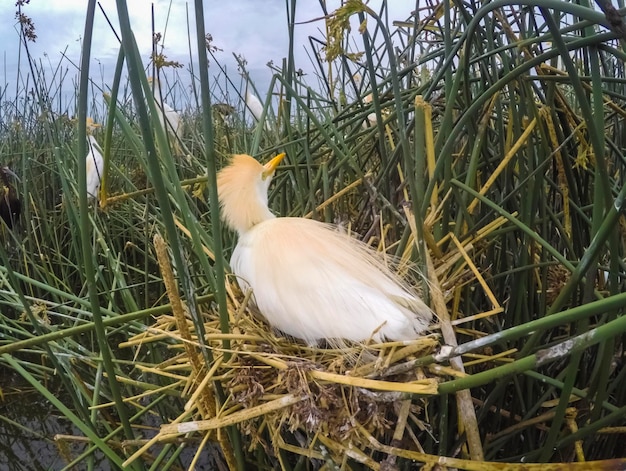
(480, 143)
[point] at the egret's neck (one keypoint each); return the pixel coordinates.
(244, 208)
(252, 217)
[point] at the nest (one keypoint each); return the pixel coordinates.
(286, 396)
(364, 405)
(361, 403)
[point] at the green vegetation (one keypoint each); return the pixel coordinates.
(492, 134)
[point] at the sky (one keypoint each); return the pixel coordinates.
(254, 29)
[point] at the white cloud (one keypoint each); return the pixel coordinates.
(257, 30)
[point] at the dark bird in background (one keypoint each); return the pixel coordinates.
(10, 204)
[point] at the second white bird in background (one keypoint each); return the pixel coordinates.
(94, 164)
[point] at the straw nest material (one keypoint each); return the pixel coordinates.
(277, 390)
(361, 404)
(284, 396)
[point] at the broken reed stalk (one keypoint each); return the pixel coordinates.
(467, 413)
(206, 403)
(468, 422)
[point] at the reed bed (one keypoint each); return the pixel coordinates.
(480, 146)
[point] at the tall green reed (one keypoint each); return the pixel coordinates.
(528, 96)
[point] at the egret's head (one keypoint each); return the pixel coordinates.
(91, 125)
(242, 188)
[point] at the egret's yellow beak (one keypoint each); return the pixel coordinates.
(270, 167)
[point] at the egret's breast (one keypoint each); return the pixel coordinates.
(247, 256)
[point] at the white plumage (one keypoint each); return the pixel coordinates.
(94, 163)
(169, 118)
(254, 105)
(308, 279)
(371, 118)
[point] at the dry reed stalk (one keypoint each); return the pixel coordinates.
(341, 449)
(185, 184)
(444, 462)
(541, 421)
(467, 414)
(505, 161)
(150, 443)
(560, 169)
(505, 357)
(185, 231)
(494, 302)
(335, 197)
(231, 419)
(421, 106)
(206, 403)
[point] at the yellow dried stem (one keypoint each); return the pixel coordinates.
(540, 421)
(175, 335)
(612, 430)
(502, 357)
(570, 420)
(185, 184)
(158, 371)
(270, 360)
(186, 232)
(231, 419)
(405, 408)
(426, 109)
(199, 452)
(168, 389)
(505, 161)
(218, 337)
(492, 226)
(372, 368)
(153, 441)
(444, 462)
(428, 222)
(475, 317)
(203, 384)
(422, 387)
(311, 454)
(206, 404)
(478, 276)
(441, 370)
(144, 338)
(562, 179)
(342, 451)
(336, 196)
(451, 261)
(467, 414)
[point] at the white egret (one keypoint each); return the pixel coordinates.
(255, 106)
(370, 120)
(308, 279)
(94, 164)
(169, 118)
